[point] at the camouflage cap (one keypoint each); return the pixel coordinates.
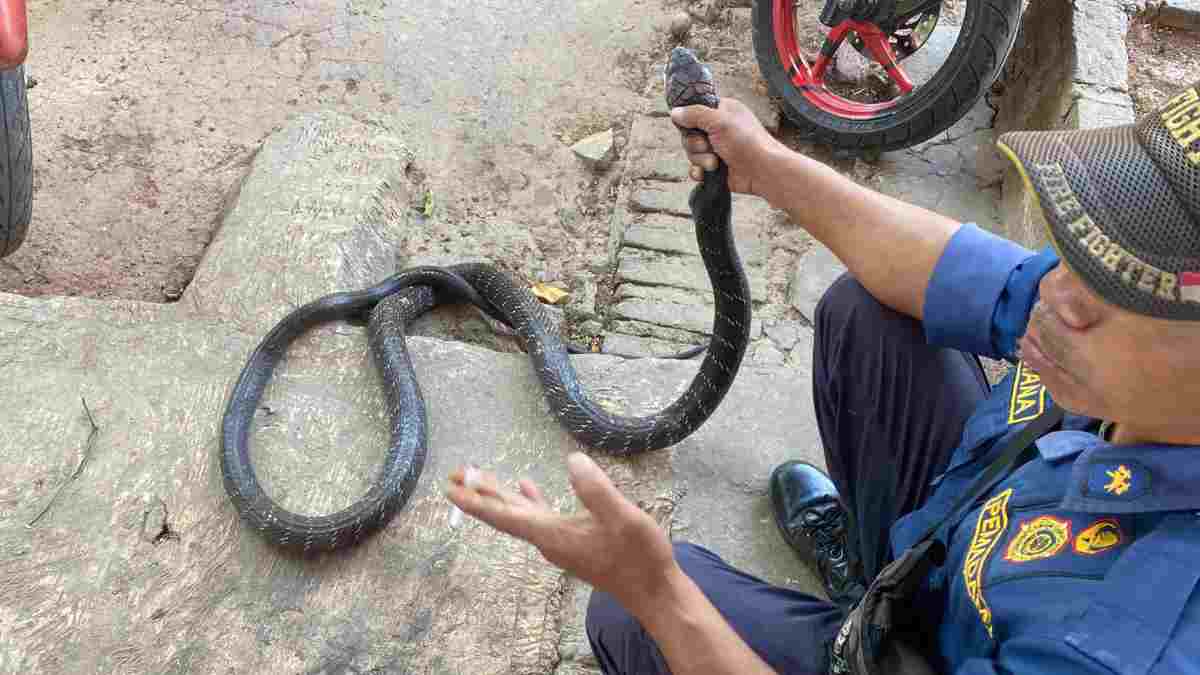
(1123, 204)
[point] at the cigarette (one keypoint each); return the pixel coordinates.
(470, 480)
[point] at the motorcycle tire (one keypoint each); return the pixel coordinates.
(16, 161)
(988, 32)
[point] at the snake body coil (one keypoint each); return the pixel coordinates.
(406, 295)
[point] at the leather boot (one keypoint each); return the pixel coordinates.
(812, 521)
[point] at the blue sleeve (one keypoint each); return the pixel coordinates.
(982, 289)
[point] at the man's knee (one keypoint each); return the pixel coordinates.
(606, 615)
(841, 299)
(608, 622)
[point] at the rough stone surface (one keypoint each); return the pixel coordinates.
(682, 275)
(641, 346)
(1068, 70)
(678, 235)
(783, 333)
(642, 329)
(138, 144)
(147, 555)
(656, 151)
(669, 198)
(1183, 14)
(581, 305)
(815, 272)
(1101, 58)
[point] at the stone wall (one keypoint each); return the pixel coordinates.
(1068, 70)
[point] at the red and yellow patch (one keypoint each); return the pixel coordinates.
(1099, 537)
(1039, 538)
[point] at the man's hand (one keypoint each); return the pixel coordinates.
(613, 545)
(617, 548)
(890, 246)
(736, 135)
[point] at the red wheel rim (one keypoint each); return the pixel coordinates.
(809, 79)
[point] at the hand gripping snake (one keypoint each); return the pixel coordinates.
(407, 294)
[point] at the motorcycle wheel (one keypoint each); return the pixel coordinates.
(796, 76)
(16, 161)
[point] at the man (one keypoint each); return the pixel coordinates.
(1083, 559)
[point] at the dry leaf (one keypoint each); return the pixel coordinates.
(549, 293)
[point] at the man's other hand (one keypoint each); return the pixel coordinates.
(612, 545)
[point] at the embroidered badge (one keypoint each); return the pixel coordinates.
(1028, 396)
(1099, 537)
(993, 521)
(1119, 484)
(1118, 480)
(1039, 538)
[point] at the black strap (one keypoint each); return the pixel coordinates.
(1019, 450)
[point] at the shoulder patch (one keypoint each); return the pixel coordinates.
(1118, 480)
(1028, 400)
(989, 529)
(1100, 536)
(1039, 538)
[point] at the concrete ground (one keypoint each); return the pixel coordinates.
(315, 147)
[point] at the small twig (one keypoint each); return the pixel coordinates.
(87, 451)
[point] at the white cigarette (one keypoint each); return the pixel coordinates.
(470, 480)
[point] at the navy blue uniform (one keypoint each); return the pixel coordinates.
(1084, 560)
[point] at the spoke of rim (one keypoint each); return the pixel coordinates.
(879, 46)
(834, 40)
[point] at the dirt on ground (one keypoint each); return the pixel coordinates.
(145, 117)
(1161, 59)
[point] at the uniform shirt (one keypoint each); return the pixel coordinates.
(1086, 558)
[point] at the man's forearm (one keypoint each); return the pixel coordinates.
(692, 635)
(890, 246)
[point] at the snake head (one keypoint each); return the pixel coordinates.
(687, 81)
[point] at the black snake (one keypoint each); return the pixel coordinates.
(408, 294)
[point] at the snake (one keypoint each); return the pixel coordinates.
(389, 305)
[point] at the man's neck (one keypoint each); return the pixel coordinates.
(1126, 433)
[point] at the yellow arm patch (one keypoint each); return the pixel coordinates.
(1028, 396)
(989, 529)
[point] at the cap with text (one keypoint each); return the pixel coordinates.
(1123, 204)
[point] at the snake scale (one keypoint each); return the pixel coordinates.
(398, 299)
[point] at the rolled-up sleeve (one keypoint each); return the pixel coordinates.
(982, 289)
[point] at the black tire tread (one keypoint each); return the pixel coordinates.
(16, 161)
(957, 87)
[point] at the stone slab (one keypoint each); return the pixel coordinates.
(682, 274)
(661, 197)
(671, 234)
(656, 150)
(641, 329)
(216, 595)
(662, 294)
(632, 345)
(814, 273)
(1184, 14)
(1068, 70)
(142, 565)
(1101, 57)
(312, 195)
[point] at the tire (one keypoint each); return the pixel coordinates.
(16, 161)
(988, 31)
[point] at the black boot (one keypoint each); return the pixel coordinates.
(812, 521)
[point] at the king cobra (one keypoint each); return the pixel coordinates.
(390, 304)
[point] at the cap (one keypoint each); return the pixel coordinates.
(1122, 204)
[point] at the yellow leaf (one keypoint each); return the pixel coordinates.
(549, 293)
